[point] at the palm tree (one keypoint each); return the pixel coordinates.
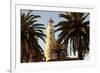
(74, 28)
(31, 31)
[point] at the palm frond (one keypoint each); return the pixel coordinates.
(67, 17)
(86, 23)
(37, 24)
(84, 17)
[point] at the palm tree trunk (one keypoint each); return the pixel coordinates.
(26, 51)
(80, 56)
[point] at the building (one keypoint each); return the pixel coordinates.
(50, 42)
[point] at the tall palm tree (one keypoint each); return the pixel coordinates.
(74, 28)
(31, 31)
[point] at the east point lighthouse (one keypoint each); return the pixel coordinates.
(50, 42)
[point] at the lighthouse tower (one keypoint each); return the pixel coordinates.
(50, 42)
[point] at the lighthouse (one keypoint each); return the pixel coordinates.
(50, 42)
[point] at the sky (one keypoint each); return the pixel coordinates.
(45, 16)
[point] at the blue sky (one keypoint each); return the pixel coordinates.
(45, 16)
